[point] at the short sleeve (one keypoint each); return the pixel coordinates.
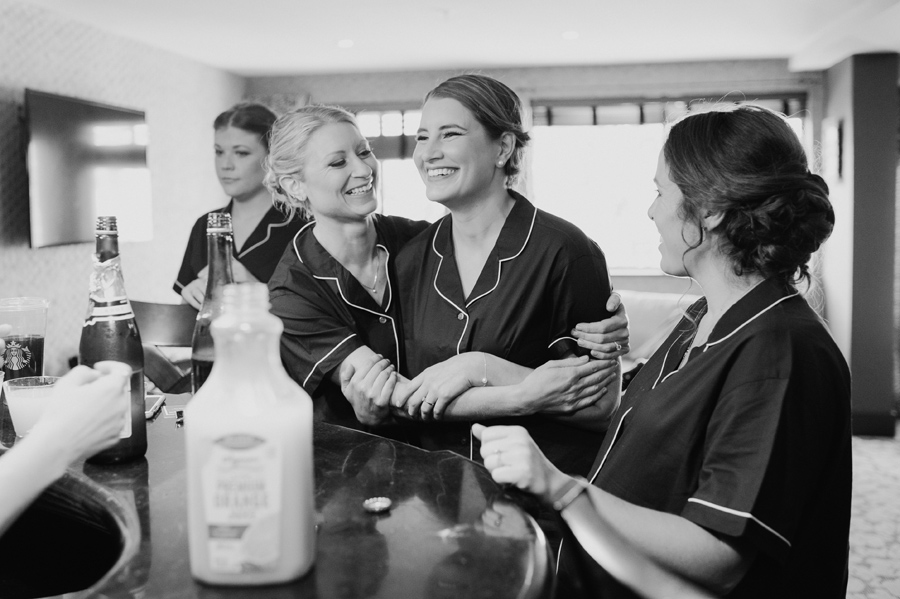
(740, 447)
(315, 340)
(764, 451)
(578, 294)
(270, 239)
(194, 256)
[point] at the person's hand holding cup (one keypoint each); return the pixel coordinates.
(84, 414)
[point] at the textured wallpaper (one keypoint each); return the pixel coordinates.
(43, 51)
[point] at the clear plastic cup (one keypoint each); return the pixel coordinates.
(24, 353)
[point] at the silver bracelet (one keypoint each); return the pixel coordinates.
(569, 493)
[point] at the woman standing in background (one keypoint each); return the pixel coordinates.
(261, 231)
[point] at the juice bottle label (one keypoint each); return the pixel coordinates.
(242, 503)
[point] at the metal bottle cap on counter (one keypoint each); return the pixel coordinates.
(376, 505)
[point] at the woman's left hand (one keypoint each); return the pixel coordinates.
(438, 385)
(567, 386)
(512, 457)
(194, 292)
(607, 339)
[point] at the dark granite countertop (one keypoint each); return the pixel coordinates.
(452, 532)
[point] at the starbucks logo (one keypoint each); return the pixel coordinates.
(17, 357)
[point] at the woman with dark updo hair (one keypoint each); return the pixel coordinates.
(728, 461)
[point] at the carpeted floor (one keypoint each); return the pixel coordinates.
(875, 522)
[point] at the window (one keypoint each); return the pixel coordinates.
(593, 165)
(403, 192)
(392, 135)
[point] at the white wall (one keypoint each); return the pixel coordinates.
(709, 80)
(859, 259)
(41, 50)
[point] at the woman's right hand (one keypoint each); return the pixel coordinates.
(512, 457)
(194, 292)
(367, 384)
(568, 385)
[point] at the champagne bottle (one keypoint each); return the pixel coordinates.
(249, 450)
(219, 250)
(111, 333)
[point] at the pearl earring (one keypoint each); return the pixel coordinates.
(500, 163)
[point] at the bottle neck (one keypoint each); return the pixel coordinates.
(107, 247)
(107, 282)
(256, 350)
(247, 336)
(219, 246)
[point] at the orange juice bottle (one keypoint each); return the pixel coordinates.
(249, 454)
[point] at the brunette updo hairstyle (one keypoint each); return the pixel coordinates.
(249, 116)
(746, 163)
(495, 106)
(287, 152)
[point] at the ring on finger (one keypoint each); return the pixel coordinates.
(618, 346)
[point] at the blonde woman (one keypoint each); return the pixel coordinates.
(336, 287)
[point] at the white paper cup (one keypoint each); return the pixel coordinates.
(26, 398)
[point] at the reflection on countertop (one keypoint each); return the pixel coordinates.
(451, 531)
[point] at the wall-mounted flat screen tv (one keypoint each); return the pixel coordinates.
(85, 159)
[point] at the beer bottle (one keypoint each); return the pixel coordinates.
(249, 452)
(219, 249)
(111, 333)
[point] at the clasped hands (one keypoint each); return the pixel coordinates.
(376, 391)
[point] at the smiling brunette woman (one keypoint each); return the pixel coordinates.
(729, 460)
(261, 232)
(496, 286)
(336, 287)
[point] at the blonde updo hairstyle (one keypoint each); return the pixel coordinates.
(287, 150)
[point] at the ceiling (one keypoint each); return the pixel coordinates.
(291, 37)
